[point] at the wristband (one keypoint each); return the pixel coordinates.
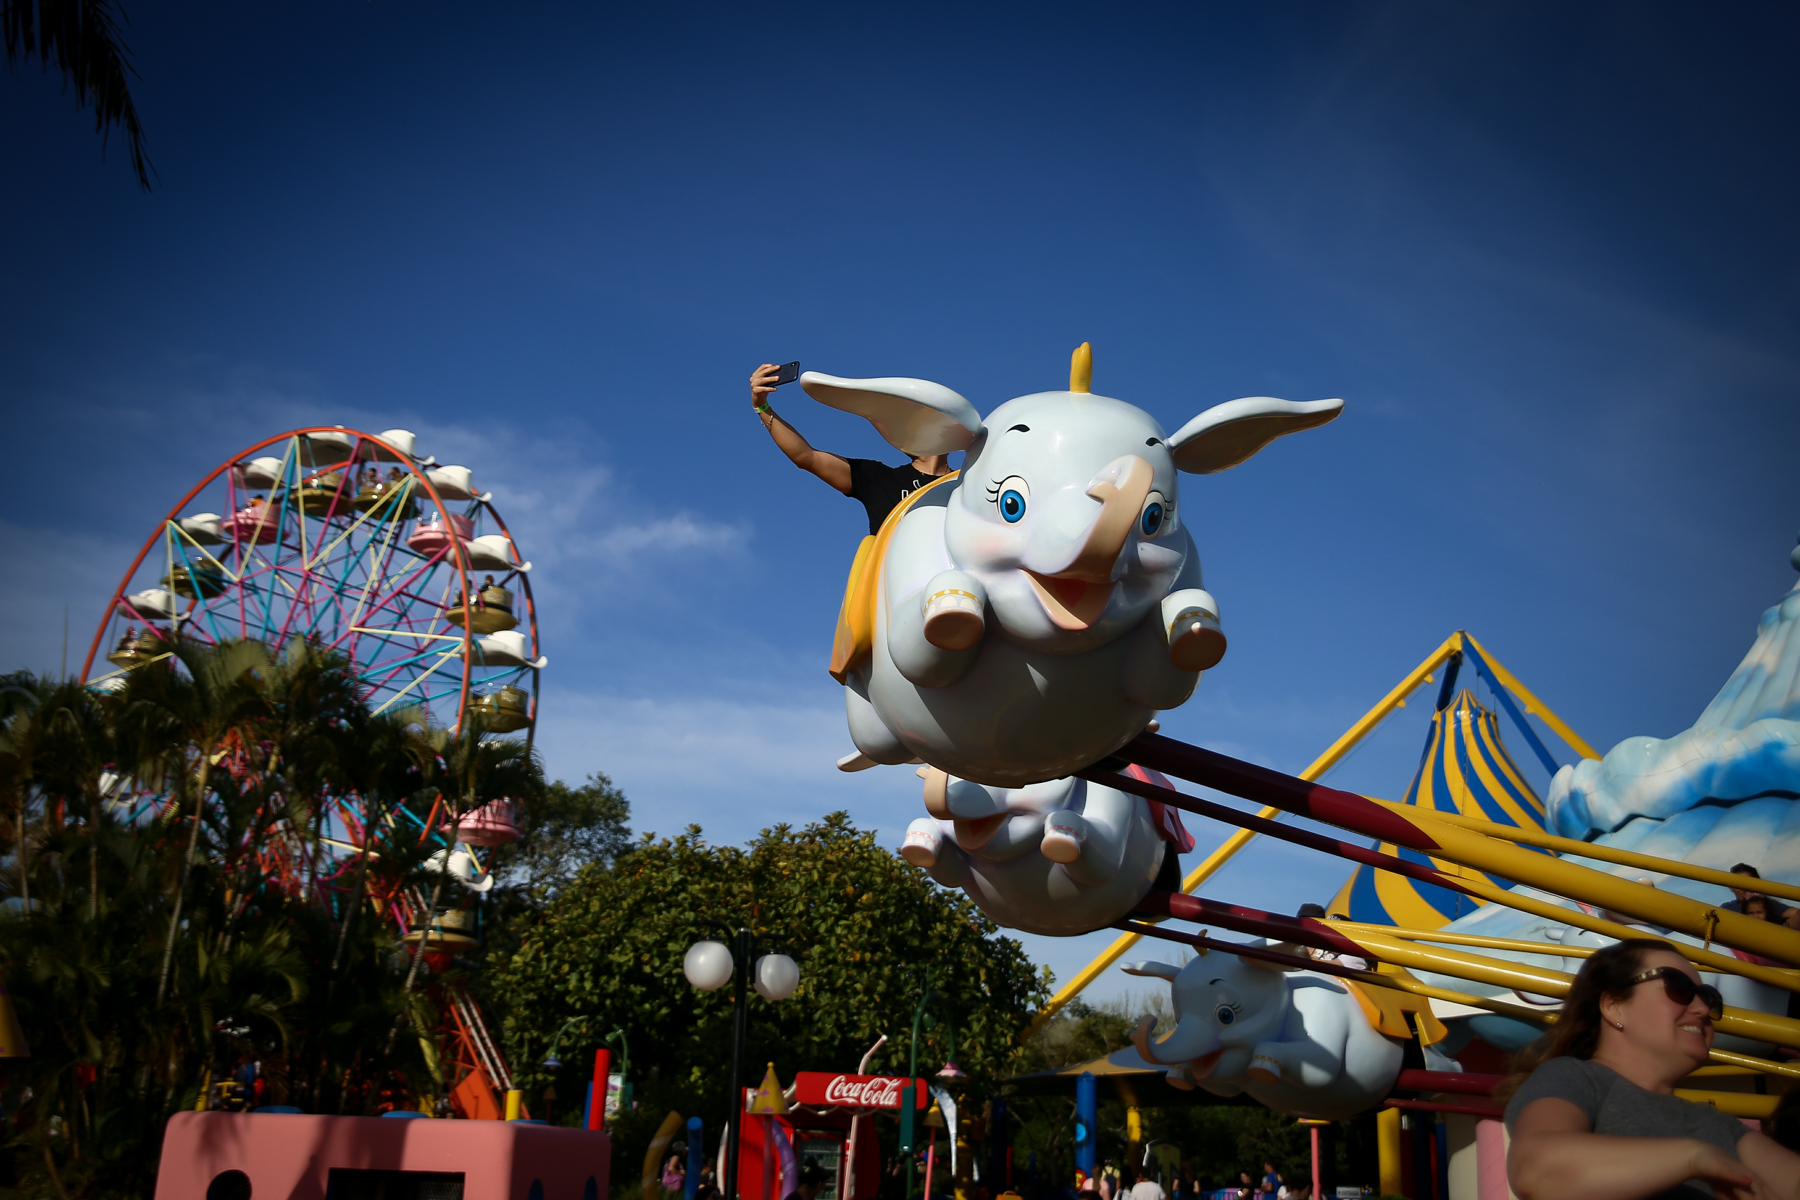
(763, 408)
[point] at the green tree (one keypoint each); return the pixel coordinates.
(568, 828)
(862, 924)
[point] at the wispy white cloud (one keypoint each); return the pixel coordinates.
(53, 574)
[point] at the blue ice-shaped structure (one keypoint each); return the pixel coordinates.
(1745, 748)
(1726, 791)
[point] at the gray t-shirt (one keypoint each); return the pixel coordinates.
(1617, 1107)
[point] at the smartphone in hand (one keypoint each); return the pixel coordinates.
(787, 373)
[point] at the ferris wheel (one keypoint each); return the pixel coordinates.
(349, 539)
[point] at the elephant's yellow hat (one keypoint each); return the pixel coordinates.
(1081, 369)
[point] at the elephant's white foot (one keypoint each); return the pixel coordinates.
(924, 842)
(1065, 833)
(1191, 617)
(953, 605)
(1264, 1069)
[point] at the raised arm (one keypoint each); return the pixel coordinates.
(1555, 1155)
(827, 466)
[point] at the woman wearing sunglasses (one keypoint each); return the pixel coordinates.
(1592, 1113)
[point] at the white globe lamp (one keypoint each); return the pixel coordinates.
(777, 976)
(708, 966)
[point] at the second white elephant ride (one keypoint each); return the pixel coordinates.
(1058, 858)
(1301, 1042)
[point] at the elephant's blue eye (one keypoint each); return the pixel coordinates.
(1155, 517)
(1010, 495)
(1227, 1014)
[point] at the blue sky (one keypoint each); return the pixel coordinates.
(1545, 253)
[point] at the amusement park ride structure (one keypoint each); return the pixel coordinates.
(352, 542)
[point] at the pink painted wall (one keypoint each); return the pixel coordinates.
(288, 1156)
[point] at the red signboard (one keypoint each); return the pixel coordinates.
(822, 1089)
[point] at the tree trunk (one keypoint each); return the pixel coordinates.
(187, 863)
(356, 895)
(94, 803)
(24, 866)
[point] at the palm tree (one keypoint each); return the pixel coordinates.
(314, 702)
(82, 38)
(182, 722)
(389, 758)
(76, 748)
(480, 767)
(19, 731)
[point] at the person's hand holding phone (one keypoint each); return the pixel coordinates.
(762, 384)
(766, 378)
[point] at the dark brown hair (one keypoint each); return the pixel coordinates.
(1576, 1033)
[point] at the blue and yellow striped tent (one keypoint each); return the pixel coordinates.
(1466, 770)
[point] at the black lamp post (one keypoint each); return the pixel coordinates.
(949, 1072)
(709, 965)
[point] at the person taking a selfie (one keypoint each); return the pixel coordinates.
(879, 486)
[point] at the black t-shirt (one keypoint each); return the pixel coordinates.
(881, 488)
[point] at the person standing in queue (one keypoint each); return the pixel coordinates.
(880, 487)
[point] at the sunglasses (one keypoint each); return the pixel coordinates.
(1680, 987)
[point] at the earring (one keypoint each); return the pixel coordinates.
(1619, 1025)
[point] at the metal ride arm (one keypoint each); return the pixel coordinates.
(1472, 883)
(1361, 815)
(1460, 642)
(1396, 698)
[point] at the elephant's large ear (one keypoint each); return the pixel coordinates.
(1160, 970)
(1226, 434)
(916, 416)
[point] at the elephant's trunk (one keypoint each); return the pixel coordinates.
(1197, 1048)
(1121, 490)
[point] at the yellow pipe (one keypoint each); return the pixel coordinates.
(1736, 1104)
(1762, 1066)
(1396, 698)
(1623, 858)
(1551, 949)
(1387, 1143)
(515, 1104)
(1710, 960)
(1541, 981)
(1445, 937)
(1730, 1061)
(1531, 703)
(1494, 857)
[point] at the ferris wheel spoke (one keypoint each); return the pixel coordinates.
(395, 698)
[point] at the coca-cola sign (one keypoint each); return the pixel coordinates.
(822, 1089)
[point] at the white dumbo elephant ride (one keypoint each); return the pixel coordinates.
(1300, 1042)
(1057, 858)
(1024, 618)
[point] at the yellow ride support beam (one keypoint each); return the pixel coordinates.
(1606, 891)
(1396, 698)
(1531, 703)
(1623, 858)
(1541, 981)
(1387, 1143)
